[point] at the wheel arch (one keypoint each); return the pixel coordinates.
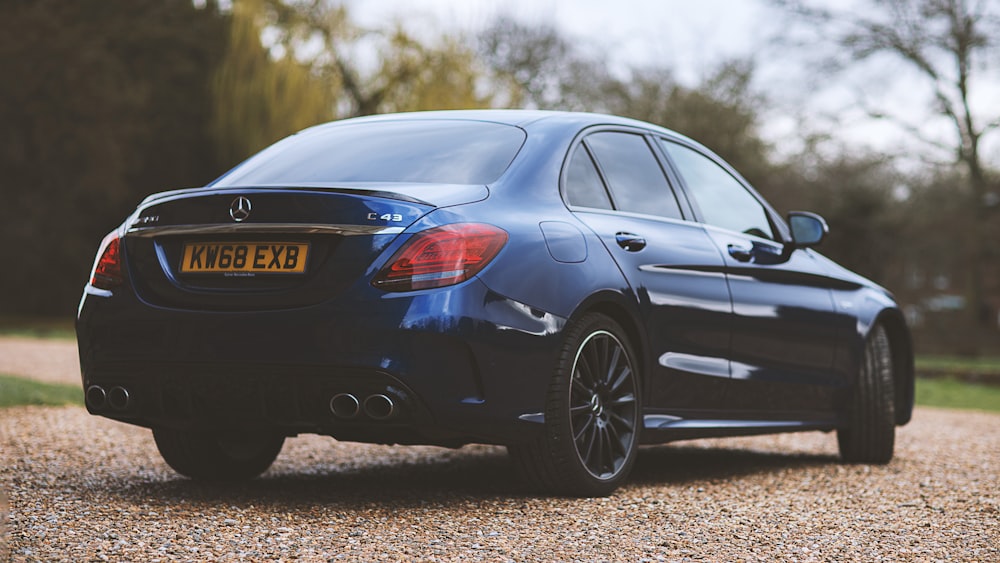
(624, 312)
(902, 362)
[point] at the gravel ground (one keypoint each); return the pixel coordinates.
(52, 361)
(82, 488)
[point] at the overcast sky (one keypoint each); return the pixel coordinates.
(687, 36)
(691, 38)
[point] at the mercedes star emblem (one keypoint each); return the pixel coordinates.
(239, 209)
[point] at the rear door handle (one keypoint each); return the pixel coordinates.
(741, 253)
(630, 242)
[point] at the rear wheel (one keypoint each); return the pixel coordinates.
(591, 417)
(871, 432)
(217, 457)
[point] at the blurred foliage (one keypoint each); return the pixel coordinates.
(408, 75)
(257, 98)
(105, 101)
(854, 193)
(101, 103)
(535, 67)
(949, 46)
(416, 76)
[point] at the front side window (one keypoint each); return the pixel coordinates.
(723, 200)
(634, 176)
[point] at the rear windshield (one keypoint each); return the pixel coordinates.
(422, 151)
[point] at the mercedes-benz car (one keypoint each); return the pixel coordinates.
(568, 285)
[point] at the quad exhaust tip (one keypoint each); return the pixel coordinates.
(96, 397)
(379, 407)
(118, 398)
(345, 405)
(376, 407)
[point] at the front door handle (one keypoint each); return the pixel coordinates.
(741, 253)
(630, 242)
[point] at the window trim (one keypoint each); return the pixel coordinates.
(564, 174)
(669, 175)
(778, 225)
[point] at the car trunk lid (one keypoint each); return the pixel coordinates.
(267, 247)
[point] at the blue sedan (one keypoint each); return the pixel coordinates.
(568, 285)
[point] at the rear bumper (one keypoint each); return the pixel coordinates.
(459, 364)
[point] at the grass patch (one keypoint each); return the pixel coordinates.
(18, 391)
(958, 364)
(954, 394)
(946, 393)
(38, 327)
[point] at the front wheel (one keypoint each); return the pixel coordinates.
(870, 434)
(592, 414)
(217, 457)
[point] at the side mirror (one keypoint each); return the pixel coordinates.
(808, 229)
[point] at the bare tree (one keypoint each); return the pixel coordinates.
(529, 56)
(542, 68)
(407, 74)
(953, 45)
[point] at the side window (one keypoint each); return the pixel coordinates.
(723, 201)
(634, 176)
(584, 186)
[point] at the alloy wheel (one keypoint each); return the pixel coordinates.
(603, 409)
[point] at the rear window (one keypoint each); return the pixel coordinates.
(421, 151)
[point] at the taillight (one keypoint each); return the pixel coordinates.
(108, 268)
(441, 256)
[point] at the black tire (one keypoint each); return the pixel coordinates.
(592, 415)
(210, 457)
(871, 432)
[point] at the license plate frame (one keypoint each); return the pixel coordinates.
(244, 258)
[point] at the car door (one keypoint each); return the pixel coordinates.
(615, 184)
(785, 329)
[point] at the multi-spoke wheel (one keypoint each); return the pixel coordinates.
(602, 405)
(592, 420)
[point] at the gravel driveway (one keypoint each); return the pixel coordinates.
(82, 488)
(52, 361)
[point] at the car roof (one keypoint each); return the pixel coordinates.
(523, 118)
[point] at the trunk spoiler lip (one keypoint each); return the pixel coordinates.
(280, 228)
(420, 194)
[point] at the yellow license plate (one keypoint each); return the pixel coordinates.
(247, 257)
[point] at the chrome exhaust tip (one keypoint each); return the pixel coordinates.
(345, 405)
(96, 397)
(118, 398)
(379, 407)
